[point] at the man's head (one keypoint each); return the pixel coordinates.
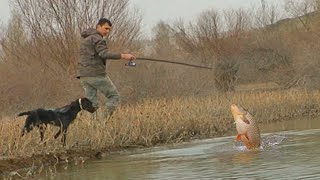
(104, 26)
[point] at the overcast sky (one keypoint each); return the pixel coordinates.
(168, 10)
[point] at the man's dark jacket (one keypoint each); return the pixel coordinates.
(93, 54)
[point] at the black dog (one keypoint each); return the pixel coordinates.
(61, 117)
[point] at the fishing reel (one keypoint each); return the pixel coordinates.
(131, 64)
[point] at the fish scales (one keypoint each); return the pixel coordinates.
(247, 128)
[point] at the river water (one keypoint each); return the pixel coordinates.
(290, 150)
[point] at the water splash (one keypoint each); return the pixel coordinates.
(267, 142)
(238, 146)
(272, 141)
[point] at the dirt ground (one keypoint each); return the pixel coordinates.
(10, 167)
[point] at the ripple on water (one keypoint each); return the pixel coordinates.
(283, 155)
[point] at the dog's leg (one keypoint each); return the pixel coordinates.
(64, 136)
(57, 134)
(42, 129)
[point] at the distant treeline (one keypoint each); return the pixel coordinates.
(39, 51)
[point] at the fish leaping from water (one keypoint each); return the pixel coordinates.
(248, 131)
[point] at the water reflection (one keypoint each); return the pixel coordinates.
(284, 155)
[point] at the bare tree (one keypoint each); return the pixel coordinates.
(237, 21)
(302, 10)
(57, 25)
(200, 39)
(265, 15)
(40, 46)
(207, 41)
(163, 42)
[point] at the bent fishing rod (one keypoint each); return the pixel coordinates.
(133, 64)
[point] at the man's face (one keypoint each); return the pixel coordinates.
(103, 29)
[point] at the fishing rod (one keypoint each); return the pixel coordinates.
(133, 64)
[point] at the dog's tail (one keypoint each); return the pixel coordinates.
(24, 113)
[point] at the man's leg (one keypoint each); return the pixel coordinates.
(90, 93)
(113, 97)
(108, 89)
(89, 90)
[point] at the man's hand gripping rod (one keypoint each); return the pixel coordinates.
(133, 64)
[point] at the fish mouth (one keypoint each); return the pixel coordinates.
(238, 109)
(235, 109)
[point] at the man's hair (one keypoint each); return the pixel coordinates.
(103, 21)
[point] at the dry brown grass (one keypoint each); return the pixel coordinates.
(159, 121)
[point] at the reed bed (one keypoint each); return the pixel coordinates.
(158, 121)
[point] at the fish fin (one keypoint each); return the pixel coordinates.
(238, 137)
(246, 142)
(246, 136)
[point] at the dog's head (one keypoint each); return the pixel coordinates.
(86, 104)
(26, 129)
(28, 126)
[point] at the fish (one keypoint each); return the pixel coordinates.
(247, 128)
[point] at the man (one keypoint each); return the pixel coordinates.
(92, 65)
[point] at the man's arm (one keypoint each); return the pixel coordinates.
(103, 52)
(102, 49)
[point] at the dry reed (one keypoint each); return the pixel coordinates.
(159, 121)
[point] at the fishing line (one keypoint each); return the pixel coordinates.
(228, 95)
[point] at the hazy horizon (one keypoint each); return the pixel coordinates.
(168, 10)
